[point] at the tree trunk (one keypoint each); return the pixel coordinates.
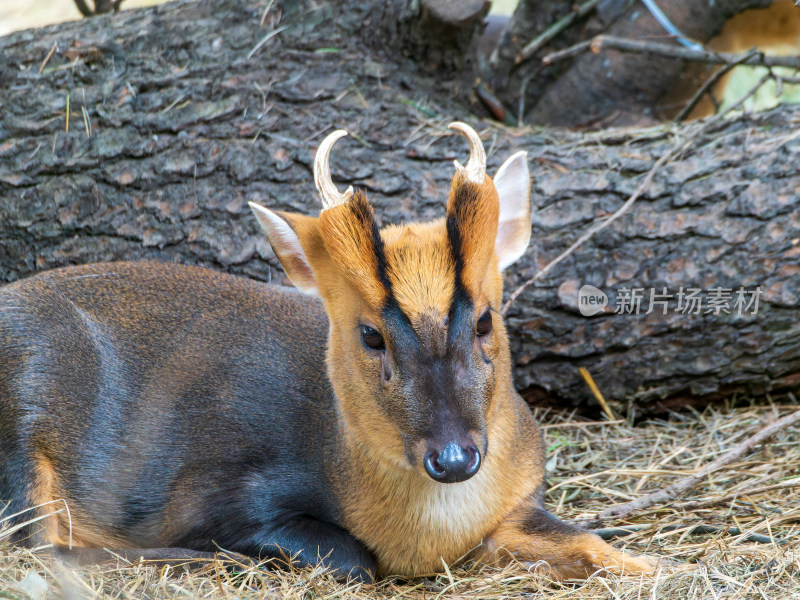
(437, 34)
(180, 114)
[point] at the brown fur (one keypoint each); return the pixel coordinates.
(44, 493)
(420, 267)
(347, 232)
(63, 526)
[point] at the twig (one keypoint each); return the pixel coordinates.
(494, 105)
(523, 89)
(599, 226)
(47, 58)
(611, 532)
(680, 487)
(587, 377)
(265, 39)
(554, 29)
(669, 26)
(789, 80)
(671, 51)
(581, 424)
(266, 11)
(87, 123)
(696, 504)
(711, 82)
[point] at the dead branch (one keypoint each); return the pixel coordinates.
(676, 149)
(602, 42)
(683, 485)
(697, 504)
(608, 533)
(597, 227)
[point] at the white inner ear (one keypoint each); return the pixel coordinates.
(287, 248)
(513, 185)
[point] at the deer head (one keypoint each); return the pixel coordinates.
(418, 354)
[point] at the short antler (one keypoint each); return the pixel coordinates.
(322, 173)
(475, 171)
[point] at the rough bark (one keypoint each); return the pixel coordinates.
(435, 33)
(610, 88)
(172, 129)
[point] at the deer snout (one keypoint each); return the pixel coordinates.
(454, 463)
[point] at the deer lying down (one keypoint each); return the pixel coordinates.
(369, 422)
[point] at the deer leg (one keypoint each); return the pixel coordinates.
(533, 536)
(308, 541)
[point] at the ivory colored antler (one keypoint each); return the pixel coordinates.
(322, 173)
(475, 171)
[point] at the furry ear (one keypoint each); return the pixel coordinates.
(286, 244)
(513, 185)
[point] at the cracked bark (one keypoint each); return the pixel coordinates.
(185, 129)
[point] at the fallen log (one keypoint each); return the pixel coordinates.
(144, 134)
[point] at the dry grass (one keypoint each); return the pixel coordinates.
(592, 466)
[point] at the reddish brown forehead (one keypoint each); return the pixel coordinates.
(420, 268)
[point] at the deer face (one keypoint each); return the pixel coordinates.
(417, 350)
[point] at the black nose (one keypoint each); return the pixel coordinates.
(453, 464)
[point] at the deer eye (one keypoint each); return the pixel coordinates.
(371, 338)
(484, 325)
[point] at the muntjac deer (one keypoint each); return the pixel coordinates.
(177, 410)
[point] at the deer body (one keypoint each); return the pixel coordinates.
(173, 407)
(213, 422)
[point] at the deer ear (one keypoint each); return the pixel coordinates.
(287, 246)
(513, 185)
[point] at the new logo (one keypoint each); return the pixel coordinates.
(591, 300)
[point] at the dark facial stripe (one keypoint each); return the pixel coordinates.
(460, 317)
(461, 305)
(366, 217)
(394, 316)
(454, 237)
(403, 334)
(380, 255)
(465, 198)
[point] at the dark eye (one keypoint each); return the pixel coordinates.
(484, 325)
(371, 338)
